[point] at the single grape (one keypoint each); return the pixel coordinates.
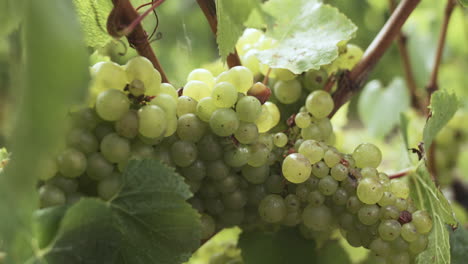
(208, 148)
(380, 247)
(153, 121)
(167, 88)
(319, 103)
(50, 195)
(140, 68)
(287, 92)
(235, 200)
(369, 214)
(224, 94)
(255, 194)
(312, 132)
(312, 150)
(228, 184)
(399, 188)
(237, 157)
(339, 172)
(259, 154)
(248, 109)
(331, 157)
(422, 221)
(409, 232)
(369, 191)
(115, 148)
(315, 198)
(167, 103)
(137, 88)
(224, 122)
(353, 204)
(190, 128)
(71, 163)
(110, 186)
(82, 140)
(272, 208)
(302, 120)
(320, 169)
(340, 197)
(327, 185)
(205, 108)
(388, 198)
(296, 168)
(112, 104)
(202, 75)
(284, 74)
(389, 230)
(317, 218)
(208, 226)
(419, 245)
(280, 139)
(367, 155)
(186, 105)
(47, 168)
(389, 212)
(183, 153)
(127, 125)
(240, 76)
(315, 79)
(98, 167)
(274, 183)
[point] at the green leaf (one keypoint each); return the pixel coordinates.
(54, 76)
(458, 245)
(427, 197)
(443, 107)
(332, 252)
(46, 223)
(231, 15)
(11, 15)
(282, 247)
(93, 17)
(375, 102)
(307, 31)
(147, 222)
(404, 129)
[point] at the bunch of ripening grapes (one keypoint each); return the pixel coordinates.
(220, 138)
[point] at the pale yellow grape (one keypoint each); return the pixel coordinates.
(167, 88)
(166, 102)
(249, 60)
(224, 94)
(241, 77)
(284, 74)
(197, 90)
(153, 121)
(205, 108)
(250, 36)
(140, 68)
(202, 75)
(296, 168)
(171, 125)
(112, 104)
(106, 75)
(264, 121)
(399, 188)
(274, 112)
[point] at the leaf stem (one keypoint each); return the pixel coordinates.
(417, 101)
(399, 174)
(209, 9)
(351, 83)
(125, 17)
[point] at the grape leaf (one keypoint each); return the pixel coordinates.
(54, 77)
(307, 31)
(93, 18)
(443, 107)
(281, 247)
(375, 101)
(333, 252)
(147, 222)
(458, 245)
(427, 197)
(404, 129)
(231, 15)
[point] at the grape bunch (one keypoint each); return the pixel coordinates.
(244, 164)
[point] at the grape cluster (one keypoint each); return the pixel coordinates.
(228, 143)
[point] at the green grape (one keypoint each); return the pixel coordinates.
(127, 125)
(319, 103)
(235, 200)
(320, 169)
(274, 113)
(205, 108)
(346, 222)
(302, 192)
(369, 172)
(389, 230)
(224, 122)
(196, 90)
(250, 36)
(331, 157)
(141, 150)
(224, 94)
(354, 238)
(389, 212)
(367, 155)
(247, 133)
(340, 197)
(401, 204)
(399, 188)
(267, 140)
(400, 258)
(228, 184)
(292, 218)
(240, 76)
(312, 183)
(183, 153)
(202, 75)
(380, 247)
(255, 194)
(110, 186)
(209, 190)
(315, 79)
(71, 163)
(422, 221)
(196, 171)
(166, 102)
(209, 148)
(140, 68)
(284, 74)
(339, 172)
(280, 139)
(315, 198)
(190, 128)
(311, 132)
(275, 184)
(67, 185)
(369, 214)
(409, 232)
(292, 203)
(312, 150)
(419, 245)
(46, 169)
(317, 218)
(250, 60)
(137, 88)
(350, 185)
(217, 170)
(49, 196)
(85, 118)
(153, 121)
(265, 121)
(112, 104)
(186, 105)
(369, 191)
(167, 88)
(296, 168)
(327, 185)
(302, 120)
(287, 92)
(214, 206)
(326, 128)
(107, 75)
(102, 130)
(352, 56)
(256, 175)
(163, 154)
(82, 140)
(259, 154)
(98, 167)
(272, 208)
(115, 148)
(388, 198)
(353, 204)
(237, 157)
(208, 226)
(248, 109)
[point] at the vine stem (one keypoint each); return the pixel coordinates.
(125, 19)
(351, 82)
(399, 174)
(416, 100)
(209, 9)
